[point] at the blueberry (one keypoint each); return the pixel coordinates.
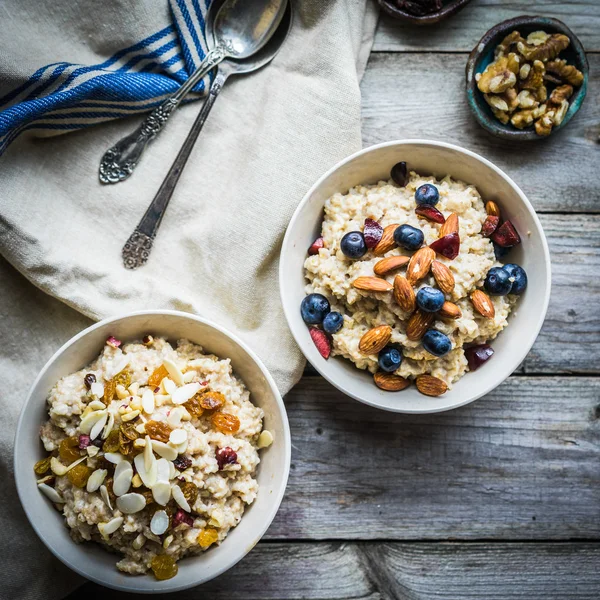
(314, 309)
(333, 322)
(497, 282)
(427, 194)
(408, 237)
(436, 342)
(519, 278)
(500, 252)
(353, 244)
(429, 299)
(389, 359)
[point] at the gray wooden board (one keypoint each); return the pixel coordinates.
(464, 30)
(403, 571)
(423, 96)
(521, 463)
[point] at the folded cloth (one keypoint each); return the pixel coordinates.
(269, 137)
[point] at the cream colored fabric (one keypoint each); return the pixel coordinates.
(268, 138)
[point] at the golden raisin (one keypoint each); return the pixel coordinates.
(157, 376)
(210, 400)
(190, 492)
(69, 450)
(194, 407)
(111, 443)
(207, 537)
(79, 475)
(123, 378)
(129, 431)
(164, 566)
(125, 445)
(110, 388)
(158, 430)
(225, 422)
(42, 466)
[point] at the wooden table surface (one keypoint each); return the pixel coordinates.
(496, 500)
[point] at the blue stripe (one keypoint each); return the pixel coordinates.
(188, 21)
(55, 75)
(8, 97)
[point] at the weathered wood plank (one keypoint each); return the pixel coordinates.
(464, 30)
(522, 463)
(401, 571)
(422, 96)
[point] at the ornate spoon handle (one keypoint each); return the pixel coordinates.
(119, 161)
(137, 248)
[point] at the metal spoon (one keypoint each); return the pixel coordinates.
(241, 28)
(137, 248)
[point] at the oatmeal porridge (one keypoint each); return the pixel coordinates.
(406, 280)
(153, 452)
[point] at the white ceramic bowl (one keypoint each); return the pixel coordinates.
(90, 559)
(426, 157)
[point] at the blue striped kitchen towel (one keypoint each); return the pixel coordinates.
(126, 58)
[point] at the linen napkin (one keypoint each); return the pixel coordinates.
(269, 137)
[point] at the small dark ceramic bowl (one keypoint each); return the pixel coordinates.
(449, 8)
(483, 54)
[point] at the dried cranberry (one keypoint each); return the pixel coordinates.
(372, 233)
(182, 462)
(506, 235)
(225, 456)
(490, 225)
(321, 340)
(316, 246)
(84, 441)
(113, 341)
(447, 246)
(399, 174)
(431, 213)
(89, 379)
(182, 517)
(477, 355)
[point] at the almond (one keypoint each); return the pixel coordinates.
(404, 294)
(491, 208)
(375, 339)
(390, 382)
(386, 243)
(372, 284)
(450, 226)
(482, 304)
(419, 264)
(443, 276)
(418, 324)
(430, 385)
(389, 264)
(449, 310)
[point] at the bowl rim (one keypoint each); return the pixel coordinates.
(475, 97)
(286, 248)
(446, 11)
(276, 499)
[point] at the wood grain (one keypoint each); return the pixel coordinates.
(386, 571)
(423, 96)
(464, 30)
(523, 462)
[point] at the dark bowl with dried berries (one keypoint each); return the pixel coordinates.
(526, 78)
(422, 12)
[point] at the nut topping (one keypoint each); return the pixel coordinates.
(389, 264)
(375, 339)
(430, 385)
(482, 304)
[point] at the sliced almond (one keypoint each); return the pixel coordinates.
(59, 469)
(96, 405)
(188, 376)
(88, 422)
(175, 416)
(390, 382)
(97, 389)
(112, 525)
(95, 480)
(131, 503)
(180, 498)
(51, 493)
(105, 496)
(122, 478)
(110, 423)
(159, 522)
(148, 401)
(375, 339)
(482, 304)
(148, 476)
(389, 264)
(92, 451)
(149, 458)
(164, 450)
(491, 208)
(419, 264)
(450, 226)
(418, 324)
(122, 393)
(450, 310)
(386, 243)
(404, 294)
(163, 471)
(430, 385)
(185, 392)
(178, 436)
(114, 457)
(130, 416)
(174, 372)
(443, 276)
(372, 284)
(168, 385)
(161, 492)
(139, 541)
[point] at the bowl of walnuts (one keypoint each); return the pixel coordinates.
(526, 78)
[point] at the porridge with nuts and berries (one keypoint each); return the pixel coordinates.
(406, 280)
(153, 452)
